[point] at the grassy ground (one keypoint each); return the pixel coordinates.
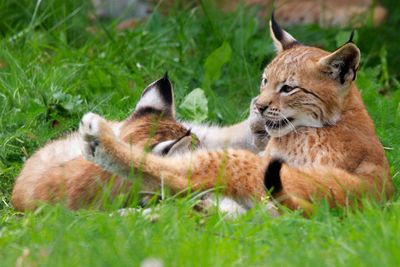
(53, 70)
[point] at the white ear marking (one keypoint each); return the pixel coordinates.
(151, 98)
(158, 96)
(159, 148)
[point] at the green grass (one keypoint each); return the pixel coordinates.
(53, 70)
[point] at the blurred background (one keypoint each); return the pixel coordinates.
(378, 21)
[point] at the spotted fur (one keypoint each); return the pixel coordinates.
(319, 129)
(59, 173)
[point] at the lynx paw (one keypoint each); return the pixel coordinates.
(257, 127)
(95, 136)
(225, 205)
(89, 129)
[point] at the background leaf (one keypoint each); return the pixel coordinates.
(195, 106)
(214, 63)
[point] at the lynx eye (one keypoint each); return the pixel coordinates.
(286, 88)
(264, 81)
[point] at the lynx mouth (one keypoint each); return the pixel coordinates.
(274, 124)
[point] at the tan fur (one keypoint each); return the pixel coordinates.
(151, 129)
(77, 181)
(238, 172)
(327, 140)
(59, 173)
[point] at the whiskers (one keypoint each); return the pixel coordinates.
(276, 120)
(288, 122)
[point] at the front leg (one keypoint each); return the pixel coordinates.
(239, 173)
(92, 129)
(102, 147)
(257, 129)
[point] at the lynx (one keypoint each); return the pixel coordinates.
(322, 141)
(58, 172)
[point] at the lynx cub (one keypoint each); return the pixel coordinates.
(58, 172)
(323, 143)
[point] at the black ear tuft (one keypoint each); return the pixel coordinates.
(282, 39)
(188, 132)
(167, 149)
(276, 29)
(272, 177)
(351, 37)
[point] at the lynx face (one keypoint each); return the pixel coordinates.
(304, 86)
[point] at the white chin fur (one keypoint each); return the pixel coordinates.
(300, 122)
(279, 132)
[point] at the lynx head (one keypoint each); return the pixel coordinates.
(304, 86)
(153, 124)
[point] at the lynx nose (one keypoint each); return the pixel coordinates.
(261, 107)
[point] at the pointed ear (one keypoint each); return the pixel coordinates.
(175, 146)
(342, 64)
(282, 39)
(158, 97)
